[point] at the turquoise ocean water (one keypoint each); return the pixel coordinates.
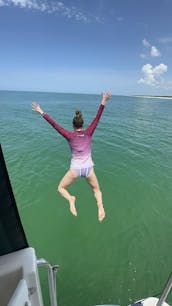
(129, 255)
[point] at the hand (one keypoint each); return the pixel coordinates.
(37, 108)
(106, 96)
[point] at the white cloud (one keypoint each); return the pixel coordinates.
(154, 52)
(160, 69)
(51, 6)
(146, 43)
(31, 4)
(153, 76)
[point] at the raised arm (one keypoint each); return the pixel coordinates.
(36, 107)
(105, 96)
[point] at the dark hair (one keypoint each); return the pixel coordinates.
(78, 120)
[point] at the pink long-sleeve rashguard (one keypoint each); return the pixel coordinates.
(79, 141)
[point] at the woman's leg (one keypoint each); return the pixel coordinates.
(67, 180)
(93, 182)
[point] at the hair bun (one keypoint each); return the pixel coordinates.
(78, 120)
(78, 114)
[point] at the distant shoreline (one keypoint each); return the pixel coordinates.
(153, 97)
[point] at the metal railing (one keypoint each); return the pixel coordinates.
(51, 270)
(165, 292)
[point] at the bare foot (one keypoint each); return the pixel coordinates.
(101, 213)
(72, 205)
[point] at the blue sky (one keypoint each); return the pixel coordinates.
(86, 46)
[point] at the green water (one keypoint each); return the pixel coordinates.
(127, 256)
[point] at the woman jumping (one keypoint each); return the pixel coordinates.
(81, 163)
